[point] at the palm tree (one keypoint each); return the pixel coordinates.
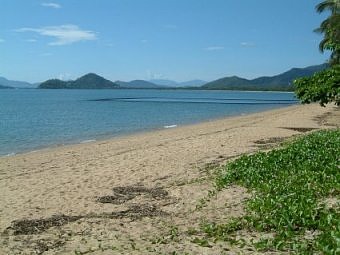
(330, 27)
(331, 5)
(323, 87)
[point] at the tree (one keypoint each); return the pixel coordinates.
(330, 27)
(324, 86)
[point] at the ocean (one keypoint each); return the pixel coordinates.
(31, 119)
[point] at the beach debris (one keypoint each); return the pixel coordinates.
(115, 199)
(154, 192)
(269, 142)
(300, 129)
(41, 246)
(325, 119)
(121, 195)
(124, 194)
(36, 226)
(138, 211)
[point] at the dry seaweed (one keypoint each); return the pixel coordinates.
(36, 226)
(115, 199)
(124, 194)
(139, 190)
(41, 246)
(300, 129)
(138, 212)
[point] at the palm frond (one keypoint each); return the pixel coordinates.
(330, 5)
(322, 44)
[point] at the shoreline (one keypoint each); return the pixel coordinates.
(103, 138)
(136, 187)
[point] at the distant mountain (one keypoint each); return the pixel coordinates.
(5, 87)
(283, 81)
(54, 84)
(122, 84)
(93, 81)
(192, 83)
(138, 84)
(233, 82)
(170, 83)
(16, 84)
(163, 82)
(287, 78)
(88, 81)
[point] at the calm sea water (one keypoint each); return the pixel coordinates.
(34, 119)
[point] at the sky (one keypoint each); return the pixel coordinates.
(156, 39)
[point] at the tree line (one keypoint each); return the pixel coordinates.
(324, 86)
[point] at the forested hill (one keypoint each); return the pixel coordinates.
(88, 81)
(138, 84)
(5, 87)
(282, 82)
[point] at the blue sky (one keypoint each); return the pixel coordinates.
(156, 39)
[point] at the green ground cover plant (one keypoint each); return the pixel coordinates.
(296, 191)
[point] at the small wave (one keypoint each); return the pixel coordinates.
(10, 154)
(33, 151)
(88, 141)
(170, 126)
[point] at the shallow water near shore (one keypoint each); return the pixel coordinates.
(34, 119)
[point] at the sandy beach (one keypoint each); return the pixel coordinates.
(139, 194)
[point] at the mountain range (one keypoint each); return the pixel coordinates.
(15, 84)
(280, 82)
(170, 83)
(137, 84)
(94, 81)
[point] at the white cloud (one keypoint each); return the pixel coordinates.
(52, 5)
(213, 48)
(64, 76)
(144, 41)
(151, 75)
(64, 34)
(247, 44)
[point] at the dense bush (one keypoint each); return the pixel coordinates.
(323, 87)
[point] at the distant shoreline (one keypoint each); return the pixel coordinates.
(170, 88)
